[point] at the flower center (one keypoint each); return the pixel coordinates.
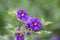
(35, 23)
(22, 14)
(21, 34)
(28, 29)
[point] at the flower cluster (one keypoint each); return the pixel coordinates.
(32, 24)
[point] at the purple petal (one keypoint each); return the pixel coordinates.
(28, 33)
(18, 28)
(16, 34)
(35, 28)
(20, 38)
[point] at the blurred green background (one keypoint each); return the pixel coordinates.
(49, 10)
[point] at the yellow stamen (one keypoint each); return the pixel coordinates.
(22, 14)
(28, 28)
(21, 34)
(35, 23)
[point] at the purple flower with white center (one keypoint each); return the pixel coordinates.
(19, 35)
(35, 24)
(22, 15)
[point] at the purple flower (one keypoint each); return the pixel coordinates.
(35, 24)
(28, 24)
(55, 37)
(19, 35)
(37, 38)
(28, 33)
(22, 15)
(18, 28)
(28, 27)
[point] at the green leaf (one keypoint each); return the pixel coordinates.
(45, 22)
(48, 22)
(12, 13)
(13, 29)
